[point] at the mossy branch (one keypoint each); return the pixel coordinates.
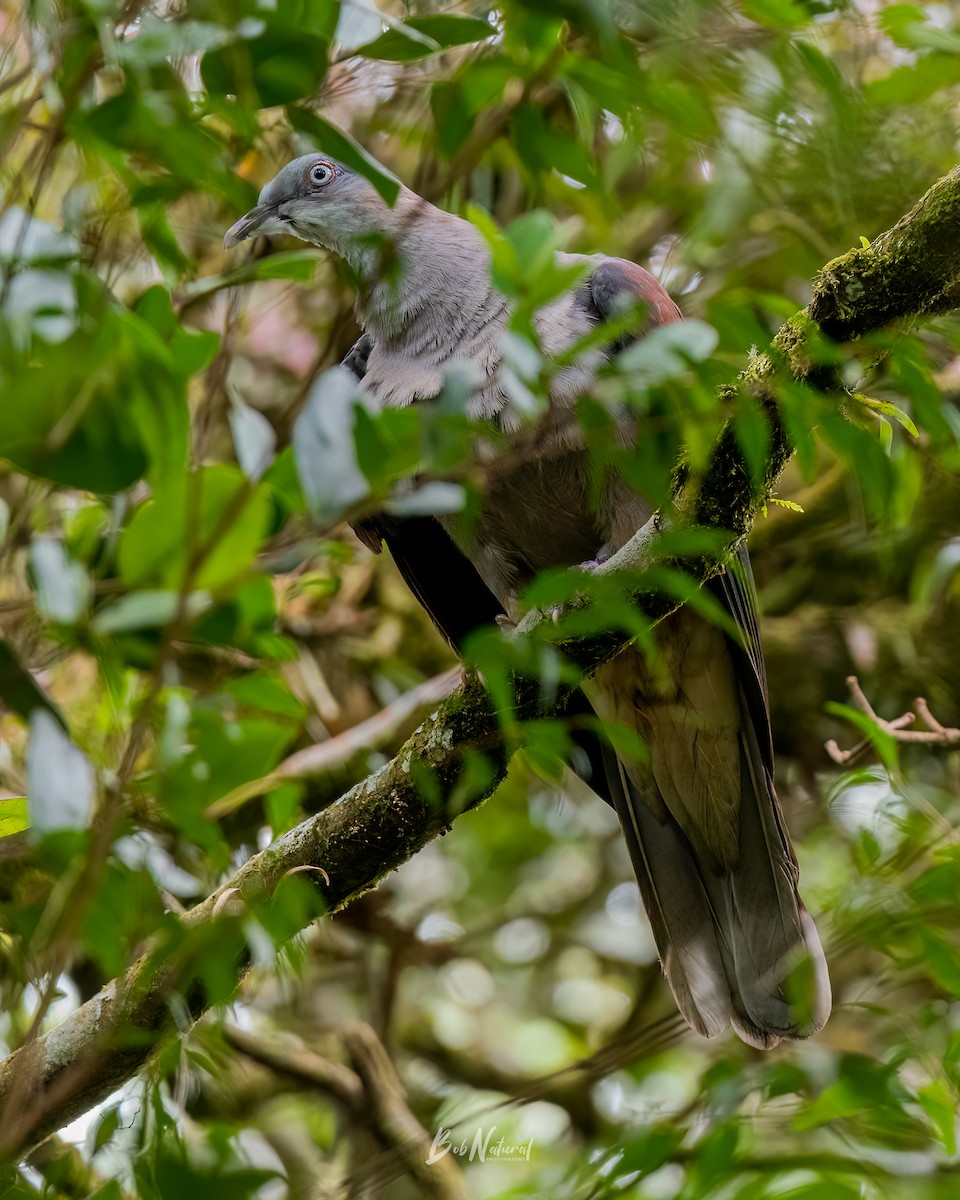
(912, 270)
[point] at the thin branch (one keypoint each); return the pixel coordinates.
(372, 1094)
(337, 754)
(392, 1121)
(898, 728)
(303, 1065)
(386, 819)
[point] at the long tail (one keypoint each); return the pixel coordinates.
(737, 945)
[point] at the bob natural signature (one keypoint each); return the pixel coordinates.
(480, 1149)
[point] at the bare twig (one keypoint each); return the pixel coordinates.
(338, 752)
(934, 735)
(301, 1064)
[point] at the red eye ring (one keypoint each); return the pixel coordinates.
(321, 173)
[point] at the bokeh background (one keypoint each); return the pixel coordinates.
(506, 975)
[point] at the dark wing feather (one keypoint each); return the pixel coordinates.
(444, 581)
(442, 578)
(736, 591)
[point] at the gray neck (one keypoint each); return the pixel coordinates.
(425, 283)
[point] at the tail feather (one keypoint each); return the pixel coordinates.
(780, 966)
(703, 824)
(685, 933)
(737, 945)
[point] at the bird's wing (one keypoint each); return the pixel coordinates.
(737, 592)
(455, 597)
(440, 576)
(444, 581)
(615, 286)
(701, 817)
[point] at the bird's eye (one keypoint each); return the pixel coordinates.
(321, 174)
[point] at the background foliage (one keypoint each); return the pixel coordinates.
(175, 624)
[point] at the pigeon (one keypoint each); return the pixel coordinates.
(699, 811)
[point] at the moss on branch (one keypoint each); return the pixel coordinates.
(911, 270)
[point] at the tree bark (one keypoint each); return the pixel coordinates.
(912, 270)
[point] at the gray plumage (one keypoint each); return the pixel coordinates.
(700, 816)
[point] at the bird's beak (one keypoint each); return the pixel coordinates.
(248, 226)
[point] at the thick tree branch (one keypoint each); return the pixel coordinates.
(912, 269)
(379, 824)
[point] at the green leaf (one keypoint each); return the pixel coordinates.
(339, 144)
(177, 1177)
(752, 430)
(939, 959)
(541, 146)
(648, 1150)
(666, 352)
(160, 239)
(284, 482)
(191, 350)
(162, 127)
(889, 410)
(883, 742)
(13, 816)
(253, 437)
(107, 1126)
(387, 443)
(416, 37)
(267, 693)
(939, 1102)
(429, 499)
(202, 529)
(914, 83)
(275, 67)
(282, 806)
(158, 40)
(453, 117)
(99, 410)
(226, 750)
(324, 447)
(311, 16)
(123, 909)
(27, 239)
(866, 458)
(777, 14)
(297, 265)
(907, 27)
(149, 609)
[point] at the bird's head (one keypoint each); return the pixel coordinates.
(319, 200)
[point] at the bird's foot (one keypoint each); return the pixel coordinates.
(603, 554)
(591, 564)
